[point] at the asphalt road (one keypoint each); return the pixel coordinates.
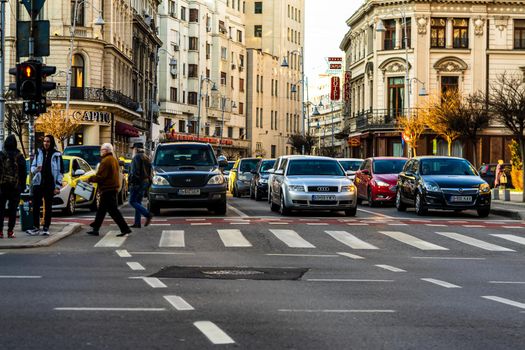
(381, 280)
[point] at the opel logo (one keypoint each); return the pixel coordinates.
(460, 190)
(188, 180)
(323, 189)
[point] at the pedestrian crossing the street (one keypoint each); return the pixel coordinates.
(355, 240)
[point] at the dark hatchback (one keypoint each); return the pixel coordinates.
(259, 183)
(187, 175)
(442, 183)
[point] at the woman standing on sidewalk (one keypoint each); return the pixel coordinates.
(47, 181)
(12, 183)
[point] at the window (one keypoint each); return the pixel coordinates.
(396, 96)
(231, 82)
(257, 117)
(261, 117)
(173, 94)
(460, 33)
(172, 9)
(389, 41)
(239, 36)
(224, 53)
(449, 84)
(519, 34)
(241, 60)
(241, 108)
(409, 34)
(272, 87)
(257, 84)
(241, 84)
(79, 21)
(273, 151)
(194, 43)
(77, 71)
(222, 27)
(193, 70)
(230, 132)
(258, 7)
(223, 78)
(208, 51)
(182, 126)
(192, 98)
(183, 13)
(257, 31)
(194, 15)
(241, 133)
(438, 30)
(167, 124)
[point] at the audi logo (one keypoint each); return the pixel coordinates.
(323, 189)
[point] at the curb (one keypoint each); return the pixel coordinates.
(512, 214)
(68, 230)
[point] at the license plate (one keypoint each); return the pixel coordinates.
(323, 198)
(190, 191)
(461, 199)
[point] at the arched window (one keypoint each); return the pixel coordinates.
(77, 71)
(80, 13)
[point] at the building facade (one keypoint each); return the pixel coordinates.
(464, 45)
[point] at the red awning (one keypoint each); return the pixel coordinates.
(126, 129)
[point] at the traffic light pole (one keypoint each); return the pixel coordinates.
(2, 72)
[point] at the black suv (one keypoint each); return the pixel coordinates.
(187, 175)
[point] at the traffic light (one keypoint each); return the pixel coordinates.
(14, 86)
(28, 81)
(46, 86)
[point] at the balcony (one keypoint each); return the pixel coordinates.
(94, 95)
(376, 119)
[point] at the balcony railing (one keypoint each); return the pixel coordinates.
(94, 95)
(379, 119)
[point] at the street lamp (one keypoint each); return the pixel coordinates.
(199, 102)
(223, 106)
(316, 113)
(172, 63)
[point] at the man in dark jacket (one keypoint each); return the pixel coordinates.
(139, 180)
(107, 178)
(12, 183)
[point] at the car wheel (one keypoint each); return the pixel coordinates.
(371, 202)
(71, 204)
(483, 212)
(399, 203)
(120, 198)
(221, 208)
(283, 210)
(252, 193)
(351, 211)
(359, 200)
(154, 209)
(273, 206)
(421, 209)
(269, 195)
(257, 194)
(236, 192)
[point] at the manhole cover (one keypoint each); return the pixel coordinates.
(231, 273)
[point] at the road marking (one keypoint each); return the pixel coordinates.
(337, 311)
(357, 224)
(200, 219)
(344, 280)
(292, 239)
(506, 282)
(160, 225)
(391, 268)
(474, 226)
(317, 224)
(111, 240)
(505, 301)
(377, 214)
(161, 253)
(457, 222)
(411, 240)
(474, 242)
(239, 223)
(178, 303)
(123, 253)
(399, 224)
(512, 226)
(213, 332)
(19, 277)
(2, 253)
(237, 211)
(200, 223)
(440, 283)
(307, 255)
(435, 225)
(445, 258)
(154, 282)
(350, 240)
(135, 266)
(516, 239)
(172, 238)
(233, 238)
(351, 256)
(278, 223)
(108, 309)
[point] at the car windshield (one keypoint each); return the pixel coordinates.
(184, 155)
(229, 166)
(352, 165)
(90, 155)
(315, 167)
(446, 167)
(247, 165)
(389, 166)
(266, 165)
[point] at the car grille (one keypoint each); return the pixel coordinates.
(462, 192)
(323, 202)
(323, 189)
(188, 180)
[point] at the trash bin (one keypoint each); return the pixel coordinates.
(26, 212)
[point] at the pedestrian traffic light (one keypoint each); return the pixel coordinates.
(14, 86)
(46, 86)
(28, 80)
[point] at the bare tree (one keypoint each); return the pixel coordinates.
(15, 120)
(298, 141)
(506, 102)
(413, 127)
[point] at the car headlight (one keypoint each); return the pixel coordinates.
(160, 181)
(484, 188)
(296, 188)
(349, 188)
(382, 183)
(432, 187)
(216, 180)
(263, 181)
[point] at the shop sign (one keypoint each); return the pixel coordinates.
(93, 116)
(354, 142)
(335, 89)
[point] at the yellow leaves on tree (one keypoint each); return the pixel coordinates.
(412, 126)
(55, 123)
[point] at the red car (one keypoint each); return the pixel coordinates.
(376, 179)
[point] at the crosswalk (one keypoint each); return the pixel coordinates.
(235, 238)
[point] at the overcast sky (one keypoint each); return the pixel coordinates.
(325, 27)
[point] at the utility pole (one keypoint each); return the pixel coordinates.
(2, 72)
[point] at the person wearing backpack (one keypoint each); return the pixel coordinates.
(12, 182)
(139, 179)
(47, 180)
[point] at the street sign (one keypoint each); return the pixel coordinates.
(335, 88)
(37, 6)
(40, 35)
(335, 66)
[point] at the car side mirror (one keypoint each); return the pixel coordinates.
(279, 172)
(350, 173)
(79, 172)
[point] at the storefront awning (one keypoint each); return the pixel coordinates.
(126, 129)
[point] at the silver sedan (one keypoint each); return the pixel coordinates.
(312, 183)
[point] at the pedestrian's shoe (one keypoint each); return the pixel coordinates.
(148, 220)
(123, 234)
(33, 232)
(137, 226)
(1, 235)
(93, 233)
(45, 232)
(10, 234)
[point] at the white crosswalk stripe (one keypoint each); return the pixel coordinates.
(111, 240)
(350, 240)
(233, 238)
(411, 240)
(474, 242)
(172, 238)
(512, 238)
(292, 239)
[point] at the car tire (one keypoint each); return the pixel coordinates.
(400, 206)
(371, 202)
(269, 195)
(257, 195)
(236, 192)
(221, 209)
(154, 209)
(351, 212)
(273, 206)
(483, 212)
(71, 203)
(283, 210)
(252, 193)
(421, 209)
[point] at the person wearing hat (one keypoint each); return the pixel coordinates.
(140, 177)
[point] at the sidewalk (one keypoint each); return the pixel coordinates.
(57, 230)
(514, 209)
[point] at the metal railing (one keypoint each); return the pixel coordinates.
(379, 119)
(94, 95)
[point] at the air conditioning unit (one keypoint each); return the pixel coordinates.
(176, 47)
